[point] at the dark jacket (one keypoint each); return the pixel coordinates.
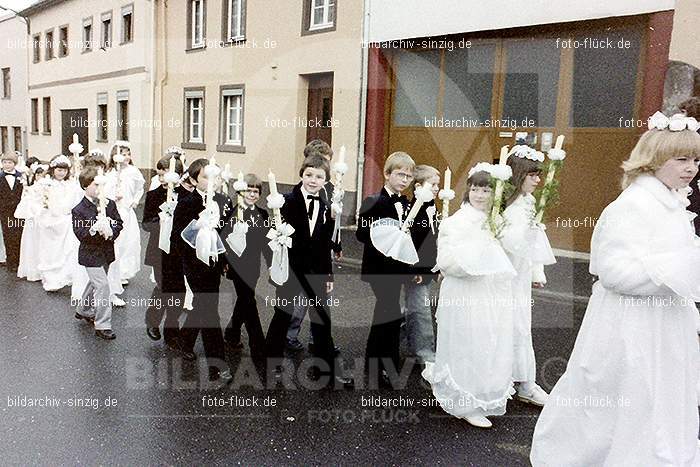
(375, 207)
(9, 198)
(310, 253)
(694, 199)
(247, 266)
(187, 210)
(169, 266)
(425, 241)
(94, 251)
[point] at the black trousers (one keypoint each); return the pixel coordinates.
(315, 289)
(245, 311)
(12, 236)
(204, 316)
(166, 304)
(385, 334)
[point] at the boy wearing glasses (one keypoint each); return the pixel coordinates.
(244, 270)
(385, 275)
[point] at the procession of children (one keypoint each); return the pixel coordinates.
(72, 222)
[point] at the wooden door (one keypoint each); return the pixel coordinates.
(320, 108)
(74, 121)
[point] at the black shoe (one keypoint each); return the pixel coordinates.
(222, 377)
(186, 354)
(172, 344)
(89, 319)
(106, 334)
(153, 333)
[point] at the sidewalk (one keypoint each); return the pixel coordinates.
(567, 281)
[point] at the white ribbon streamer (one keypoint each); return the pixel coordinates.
(237, 238)
(280, 243)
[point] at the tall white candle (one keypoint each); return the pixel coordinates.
(272, 182)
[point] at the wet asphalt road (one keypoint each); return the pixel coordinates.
(133, 402)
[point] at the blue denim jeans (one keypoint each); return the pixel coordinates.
(419, 331)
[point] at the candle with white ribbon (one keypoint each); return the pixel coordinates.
(555, 156)
(171, 185)
(272, 181)
(75, 148)
(240, 201)
(211, 183)
(498, 194)
(447, 188)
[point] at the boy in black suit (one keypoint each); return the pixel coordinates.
(169, 293)
(385, 275)
(204, 279)
(96, 253)
(311, 271)
(244, 270)
(10, 194)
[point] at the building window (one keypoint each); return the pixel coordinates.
(35, 115)
(196, 24)
(127, 23)
(48, 47)
(231, 119)
(87, 35)
(319, 15)
(17, 133)
(106, 41)
(194, 119)
(36, 48)
(123, 115)
(63, 41)
(6, 90)
(102, 122)
(3, 139)
(234, 20)
(47, 115)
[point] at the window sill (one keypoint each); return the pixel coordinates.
(238, 149)
(195, 146)
(85, 51)
(197, 48)
(98, 140)
(36, 133)
(233, 41)
(46, 133)
(127, 42)
(318, 29)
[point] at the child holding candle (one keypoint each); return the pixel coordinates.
(96, 224)
(420, 335)
(57, 245)
(628, 396)
(169, 292)
(203, 278)
(310, 271)
(471, 376)
(384, 274)
(244, 270)
(528, 249)
(126, 188)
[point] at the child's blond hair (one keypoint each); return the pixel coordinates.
(398, 160)
(9, 156)
(655, 147)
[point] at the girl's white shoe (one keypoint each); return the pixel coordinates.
(479, 422)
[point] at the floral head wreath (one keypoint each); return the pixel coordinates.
(526, 152)
(177, 150)
(677, 122)
(60, 160)
(498, 171)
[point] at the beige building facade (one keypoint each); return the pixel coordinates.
(13, 83)
(251, 82)
(90, 73)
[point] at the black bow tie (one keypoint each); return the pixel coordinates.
(311, 204)
(14, 174)
(400, 199)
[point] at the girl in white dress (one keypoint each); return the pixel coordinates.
(58, 245)
(528, 249)
(472, 374)
(628, 396)
(125, 186)
(30, 206)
